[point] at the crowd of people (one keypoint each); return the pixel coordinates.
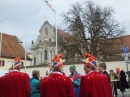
(95, 83)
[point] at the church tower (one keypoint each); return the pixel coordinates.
(43, 50)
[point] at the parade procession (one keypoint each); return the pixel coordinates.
(96, 82)
(64, 48)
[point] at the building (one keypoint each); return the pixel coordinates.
(44, 49)
(11, 48)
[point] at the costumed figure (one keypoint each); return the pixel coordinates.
(16, 83)
(56, 85)
(75, 78)
(122, 81)
(17, 62)
(94, 83)
(34, 82)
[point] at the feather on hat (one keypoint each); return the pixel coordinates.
(90, 60)
(49, 69)
(57, 61)
(17, 62)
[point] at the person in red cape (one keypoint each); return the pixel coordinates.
(16, 83)
(94, 84)
(57, 84)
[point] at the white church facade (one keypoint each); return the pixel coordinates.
(43, 50)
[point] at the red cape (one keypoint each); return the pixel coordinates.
(56, 85)
(15, 84)
(95, 84)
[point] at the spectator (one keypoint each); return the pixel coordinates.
(102, 68)
(115, 84)
(35, 83)
(75, 78)
(128, 73)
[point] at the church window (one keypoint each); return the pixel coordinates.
(41, 57)
(2, 62)
(45, 54)
(46, 31)
(34, 60)
(21, 64)
(49, 39)
(39, 41)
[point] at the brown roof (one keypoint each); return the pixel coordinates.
(126, 42)
(11, 47)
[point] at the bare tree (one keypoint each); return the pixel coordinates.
(92, 29)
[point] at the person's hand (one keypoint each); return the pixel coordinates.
(40, 78)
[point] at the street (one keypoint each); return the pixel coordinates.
(120, 94)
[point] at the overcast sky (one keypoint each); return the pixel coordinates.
(14, 12)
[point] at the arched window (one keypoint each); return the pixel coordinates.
(41, 57)
(2, 63)
(22, 64)
(39, 41)
(34, 60)
(46, 30)
(45, 55)
(49, 39)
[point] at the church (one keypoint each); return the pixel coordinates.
(44, 49)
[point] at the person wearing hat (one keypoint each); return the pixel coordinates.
(112, 74)
(115, 84)
(94, 83)
(15, 83)
(122, 81)
(75, 78)
(57, 84)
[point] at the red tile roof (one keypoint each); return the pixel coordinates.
(126, 42)
(11, 47)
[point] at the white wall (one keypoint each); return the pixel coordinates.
(9, 62)
(79, 67)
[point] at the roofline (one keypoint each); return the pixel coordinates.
(18, 39)
(15, 57)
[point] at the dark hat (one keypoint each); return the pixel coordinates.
(111, 70)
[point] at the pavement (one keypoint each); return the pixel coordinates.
(127, 93)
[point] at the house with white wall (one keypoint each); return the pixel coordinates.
(11, 48)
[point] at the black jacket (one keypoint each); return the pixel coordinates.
(105, 72)
(123, 82)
